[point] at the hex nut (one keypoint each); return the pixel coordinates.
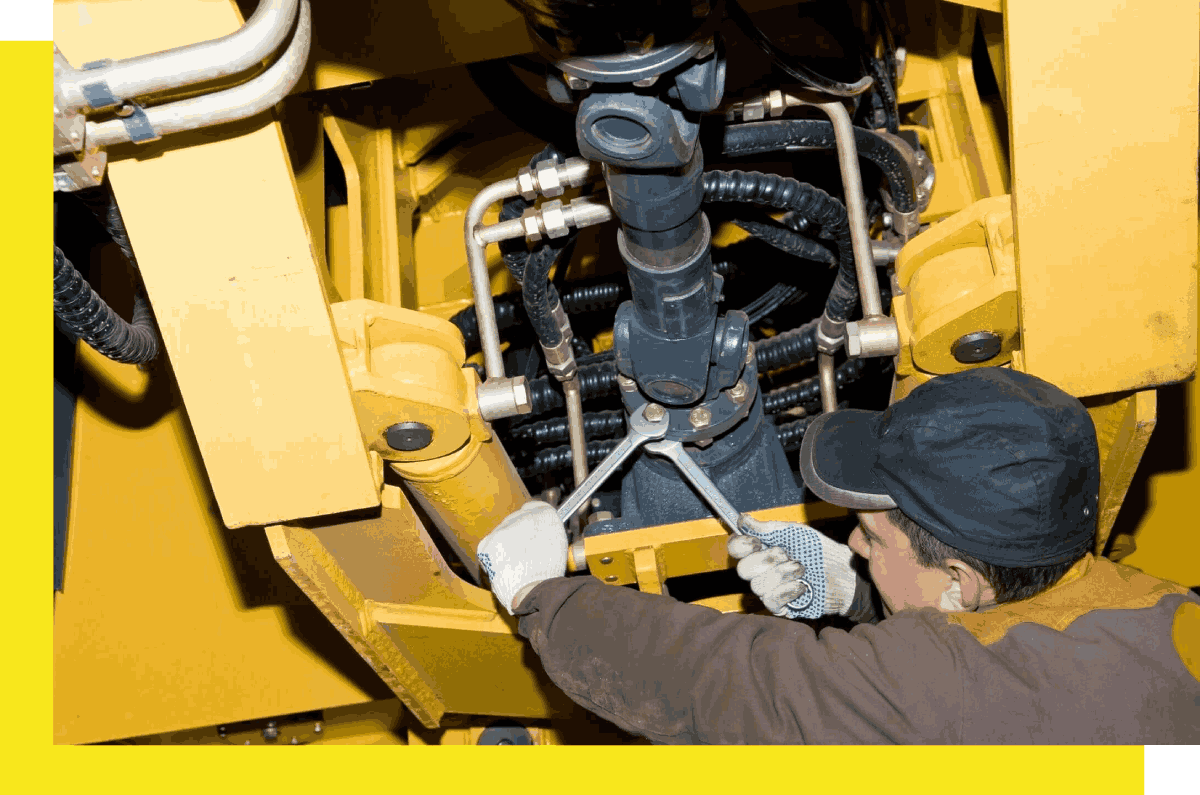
(527, 184)
(533, 229)
(700, 417)
(626, 384)
(577, 83)
(521, 395)
(738, 392)
(775, 103)
(654, 412)
(750, 353)
(548, 179)
(646, 82)
(554, 219)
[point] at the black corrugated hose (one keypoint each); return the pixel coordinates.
(807, 393)
(85, 315)
(550, 459)
(596, 425)
(760, 137)
(813, 204)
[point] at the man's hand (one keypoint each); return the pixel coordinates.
(529, 546)
(796, 571)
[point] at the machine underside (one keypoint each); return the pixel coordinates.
(477, 243)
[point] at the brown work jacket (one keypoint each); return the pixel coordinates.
(1107, 655)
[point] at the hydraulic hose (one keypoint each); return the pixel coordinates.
(551, 459)
(789, 241)
(596, 425)
(813, 204)
(761, 137)
(85, 315)
(791, 434)
(807, 393)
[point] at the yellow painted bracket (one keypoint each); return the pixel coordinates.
(958, 278)
(405, 366)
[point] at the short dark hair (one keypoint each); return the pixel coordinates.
(1010, 584)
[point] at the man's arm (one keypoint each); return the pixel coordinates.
(678, 673)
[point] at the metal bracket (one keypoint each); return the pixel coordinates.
(81, 174)
(137, 124)
(97, 93)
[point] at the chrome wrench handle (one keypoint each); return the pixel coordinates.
(694, 474)
(641, 431)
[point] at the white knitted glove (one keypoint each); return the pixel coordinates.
(529, 546)
(796, 571)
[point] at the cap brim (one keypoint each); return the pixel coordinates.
(837, 460)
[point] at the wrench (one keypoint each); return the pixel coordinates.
(641, 431)
(694, 474)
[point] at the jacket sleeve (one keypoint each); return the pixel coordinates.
(679, 673)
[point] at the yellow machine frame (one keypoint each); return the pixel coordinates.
(292, 330)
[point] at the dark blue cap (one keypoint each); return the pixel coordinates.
(996, 463)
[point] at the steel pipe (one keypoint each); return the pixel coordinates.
(481, 286)
(184, 66)
(232, 104)
(574, 400)
(828, 378)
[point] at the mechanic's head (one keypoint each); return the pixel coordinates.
(977, 488)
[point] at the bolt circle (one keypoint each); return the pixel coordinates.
(408, 437)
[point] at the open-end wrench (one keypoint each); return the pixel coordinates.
(641, 431)
(694, 474)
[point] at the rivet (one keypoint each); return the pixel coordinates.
(606, 560)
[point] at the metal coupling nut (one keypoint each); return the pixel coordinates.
(527, 184)
(504, 397)
(554, 220)
(548, 179)
(560, 359)
(830, 334)
(872, 337)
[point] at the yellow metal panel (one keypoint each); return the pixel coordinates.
(1104, 202)
(168, 620)
(1123, 429)
(229, 267)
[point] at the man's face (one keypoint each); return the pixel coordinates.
(902, 582)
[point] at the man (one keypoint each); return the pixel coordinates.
(977, 500)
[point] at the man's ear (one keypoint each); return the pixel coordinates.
(977, 592)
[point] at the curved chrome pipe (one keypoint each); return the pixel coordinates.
(243, 49)
(232, 104)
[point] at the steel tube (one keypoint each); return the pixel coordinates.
(828, 382)
(195, 63)
(574, 400)
(232, 104)
(481, 286)
(856, 207)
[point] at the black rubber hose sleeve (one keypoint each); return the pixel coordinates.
(813, 204)
(760, 137)
(85, 315)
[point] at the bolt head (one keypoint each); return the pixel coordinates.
(577, 83)
(888, 220)
(978, 346)
(646, 82)
(408, 437)
(611, 578)
(95, 171)
(317, 728)
(738, 391)
(521, 396)
(606, 560)
(750, 353)
(700, 417)
(626, 383)
(655, 412)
